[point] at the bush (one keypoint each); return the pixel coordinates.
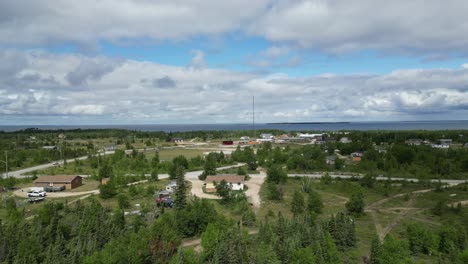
(123, 201)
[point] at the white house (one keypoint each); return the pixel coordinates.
(345, 140)
(235, 182)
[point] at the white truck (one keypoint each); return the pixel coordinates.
(37, 194)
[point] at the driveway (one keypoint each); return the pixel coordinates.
(24, 193)
(254, 185)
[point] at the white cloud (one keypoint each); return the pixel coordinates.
(127, 93)
(198, 59)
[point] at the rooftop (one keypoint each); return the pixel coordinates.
(57, 178)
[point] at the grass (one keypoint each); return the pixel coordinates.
(88, 185)
(170, 154)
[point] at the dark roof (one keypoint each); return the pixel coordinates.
(57, 178)
(227, 178)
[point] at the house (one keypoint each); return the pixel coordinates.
(345, 140)
(110, 148)
(61, 136)
(440, 146)
(330, 160)
(267, 136)
(356, 156)
(171, 187)
(414, 141)
(69, 181)
(245, 138)
(445, 141)
(235, 182)
(311, 136)
(178, 140)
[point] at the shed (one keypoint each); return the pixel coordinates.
(69, 181)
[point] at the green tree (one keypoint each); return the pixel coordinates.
(375, 250)
(223, 190)
(303, 255)
(314, 202)
(181, 192)
(355, 205)
(326, 178)
(123, 201)
(154, 174)
(276, 174)
(297, 204)
(107, 190)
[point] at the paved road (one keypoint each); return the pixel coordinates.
(380, 178)
(19, 173)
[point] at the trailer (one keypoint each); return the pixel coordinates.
(36, 200)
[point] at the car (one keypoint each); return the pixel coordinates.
(37, 194)
(55, 163)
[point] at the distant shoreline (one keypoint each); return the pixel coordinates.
(306, 123)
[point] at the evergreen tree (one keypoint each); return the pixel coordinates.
(375, 250)
(314, 202)
(297, 204)
(181, 192)
(355, 205)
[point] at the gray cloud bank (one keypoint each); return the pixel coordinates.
(51, 86)
(434, 28)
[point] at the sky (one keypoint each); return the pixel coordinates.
(202, 61)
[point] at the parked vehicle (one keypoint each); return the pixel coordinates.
(36, 200)
(162, 195)
(168, 203)
(37, 194)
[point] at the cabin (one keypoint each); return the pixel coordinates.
(69, 181)
(235, 182)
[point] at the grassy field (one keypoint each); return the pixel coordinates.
(169, 154)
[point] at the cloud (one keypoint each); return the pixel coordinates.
(49, 22)
(432, 28)
(213, 95)
(89, 69)
(428, 27)
(198, 59)
(164, 82)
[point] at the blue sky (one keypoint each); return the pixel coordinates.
(137, 61)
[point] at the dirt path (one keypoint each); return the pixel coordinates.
(463, 203)
(401, 212)
(253, 191)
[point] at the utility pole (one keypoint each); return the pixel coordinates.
(253, 115)
(6, 164)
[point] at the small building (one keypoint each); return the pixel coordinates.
(50, 147)
(62, 136)
(69, 181)
(330, 160)
(178, 140)
(228, 142)
(235, 182)
(267, 136)
(414, 141)
(356, 156)
(311, 136)
(110, 148)
(345, 140)
(444, 141)
(171, 187)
